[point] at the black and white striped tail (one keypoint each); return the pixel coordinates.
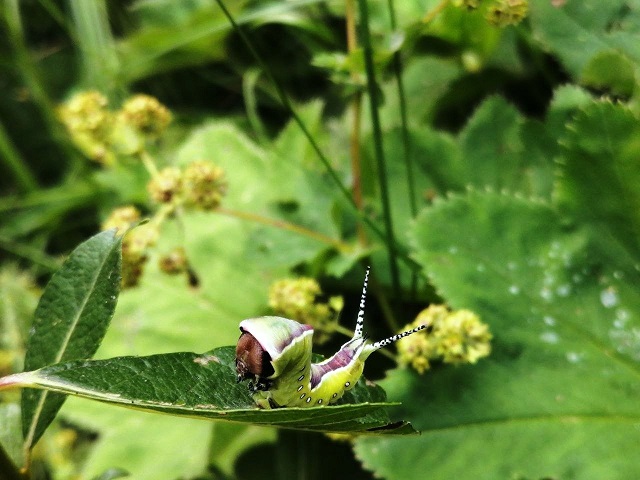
(395, 338)
(360, 321)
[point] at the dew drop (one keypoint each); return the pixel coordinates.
(609, 297)
(480, 267)
(453, 249)
(549, 337)
(550, 321)
(622, 315)
(546, 294)
(563, 290)
(574, 357)
(512, 266)
(514, 290)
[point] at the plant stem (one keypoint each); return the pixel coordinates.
(14, 163)
(428, 18)
(289, 107)
(96, 44)
(284, 225)
(356, 115)
(372, 88)
(148, 162)
(31, 77)
(32, 254)
(406, 141)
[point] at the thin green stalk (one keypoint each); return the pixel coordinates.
(32, 254)
(287, 104)
(320, 237)
(356, 109)
(96, 44)
(402, 100)
(31, 76)
(372, 89)
(406, 141)
(15, 164)
(400, 251)
(249, 81)
(428, 18)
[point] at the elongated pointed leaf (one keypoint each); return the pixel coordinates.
(204, 386)
(70, 321)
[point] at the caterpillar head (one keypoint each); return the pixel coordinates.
(274, 353)
(268, 346)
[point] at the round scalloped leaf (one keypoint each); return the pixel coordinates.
(558, 396)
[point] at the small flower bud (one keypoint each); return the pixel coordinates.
(463, 338)
(175, 262)
(468, 4)
(135, 247)
(205, 185)
(507, 12)
(418, 349)
(89, 122)
(166, 185)
(122, 219)
(147, 115)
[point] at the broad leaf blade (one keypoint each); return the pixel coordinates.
(565, 365)
(204, 386)
(601, 162)
(70, 321)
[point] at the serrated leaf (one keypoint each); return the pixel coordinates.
(599, 183)
(203, 386)
(579, 30)
(565, 366)
(70, 321)
(610, 71)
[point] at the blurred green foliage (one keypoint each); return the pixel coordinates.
(510, 156)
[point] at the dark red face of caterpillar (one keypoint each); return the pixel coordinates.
(252, 361)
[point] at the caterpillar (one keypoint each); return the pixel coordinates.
(274, 353)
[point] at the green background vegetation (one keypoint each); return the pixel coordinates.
(505, 167)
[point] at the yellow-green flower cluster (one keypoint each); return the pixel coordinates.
(174, 262)
(89, 121)
(300, 299)
(135, 244)
(147, 115)
(468, 4)
(507, 12)
(452, 337)
(122, 219)
(103, 134)
(204, 185)
(200, 185)
(166, 185)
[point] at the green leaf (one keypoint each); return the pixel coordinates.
(203, 386)
(559, 394)
(10, 438)
(600, 163)
(577, 31)
(611, 71)
(70, 321)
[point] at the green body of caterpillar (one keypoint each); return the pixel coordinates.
(275, 354)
